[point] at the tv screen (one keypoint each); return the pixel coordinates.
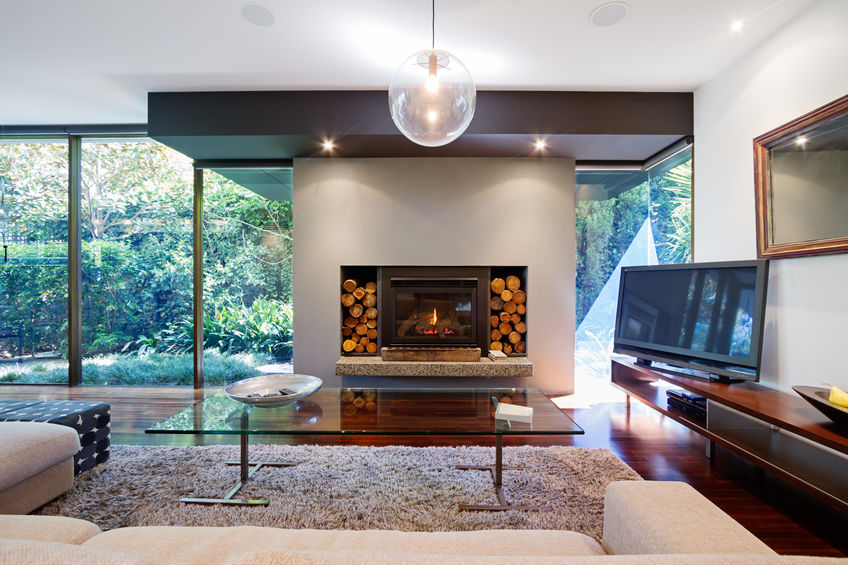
(705, 318)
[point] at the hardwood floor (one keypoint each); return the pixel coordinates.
(789, 521)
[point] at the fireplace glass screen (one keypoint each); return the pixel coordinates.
(434, 315)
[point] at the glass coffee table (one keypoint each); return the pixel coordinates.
(396, 412)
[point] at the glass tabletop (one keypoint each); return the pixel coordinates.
(374, 411)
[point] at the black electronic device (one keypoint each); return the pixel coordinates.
(687, 397)
(701, 319)
(696, 413)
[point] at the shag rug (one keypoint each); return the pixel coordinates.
(341, 487)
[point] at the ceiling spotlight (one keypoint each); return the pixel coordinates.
(540, 144)
(801, 140)
(737, 26)
(609, 14)
(328, 145)
(259, 16)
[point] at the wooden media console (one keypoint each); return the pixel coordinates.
(776, 430)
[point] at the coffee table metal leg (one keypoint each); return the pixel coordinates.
(497, 478)
(246, 471)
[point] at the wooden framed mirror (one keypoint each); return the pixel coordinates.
(801, 183)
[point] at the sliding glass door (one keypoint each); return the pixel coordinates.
(138, 291)
(33, 261)
(136, 221)
(247, 273)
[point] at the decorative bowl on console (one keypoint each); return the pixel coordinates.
(268, 391)
(818, 397)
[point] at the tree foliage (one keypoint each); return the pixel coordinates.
(606, 228)
(137, 249)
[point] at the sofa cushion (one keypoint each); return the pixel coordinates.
(27, 448)
(38, 489)
(670, 517)
(212, 545)
(53, 553)
(334, 557)
(47, 528)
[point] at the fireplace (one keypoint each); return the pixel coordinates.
(434, 306)
(434, 310)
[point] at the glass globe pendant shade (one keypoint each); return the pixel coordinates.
(432, 98)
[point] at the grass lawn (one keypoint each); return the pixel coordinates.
(146, 369)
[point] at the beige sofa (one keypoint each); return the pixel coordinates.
(645, 523)
(36, 464)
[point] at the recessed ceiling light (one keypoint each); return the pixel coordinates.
(609, 14)
(801, 140)
(540, 144)
(258, 15)
(328, 145)
(737, 25)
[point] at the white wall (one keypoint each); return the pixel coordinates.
(799, 68)
(436, 212)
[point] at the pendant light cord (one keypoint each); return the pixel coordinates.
(433, 26)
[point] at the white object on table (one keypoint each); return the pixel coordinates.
(514, 413)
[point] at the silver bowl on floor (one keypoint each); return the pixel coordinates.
(273, 390)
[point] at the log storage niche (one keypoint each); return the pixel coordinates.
(508, 310)
(359, 311)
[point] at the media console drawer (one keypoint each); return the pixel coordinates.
(815, 465)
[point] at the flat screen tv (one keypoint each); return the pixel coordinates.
(702, 319)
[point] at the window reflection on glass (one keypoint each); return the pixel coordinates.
(714, 315)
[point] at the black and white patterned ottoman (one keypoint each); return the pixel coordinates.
(91, 420)
(9, 405)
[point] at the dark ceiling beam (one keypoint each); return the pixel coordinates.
(325, 113)
(605, 126)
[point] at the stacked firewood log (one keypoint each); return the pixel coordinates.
(358, 401)
(359, 329)
(508, 308)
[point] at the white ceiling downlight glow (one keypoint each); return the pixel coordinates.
(258, 15)
(737, 26)
(609, 14)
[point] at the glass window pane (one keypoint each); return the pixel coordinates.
(136, 263)
(624, 218)
(33, 261)
(247, 270)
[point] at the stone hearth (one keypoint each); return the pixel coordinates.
(377, 367)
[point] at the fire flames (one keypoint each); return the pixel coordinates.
(434, 329)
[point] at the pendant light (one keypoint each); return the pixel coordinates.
(432, 95)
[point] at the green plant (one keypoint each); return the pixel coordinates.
(671, 214)
(263, 327)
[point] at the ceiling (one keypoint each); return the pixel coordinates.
(94, 61)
